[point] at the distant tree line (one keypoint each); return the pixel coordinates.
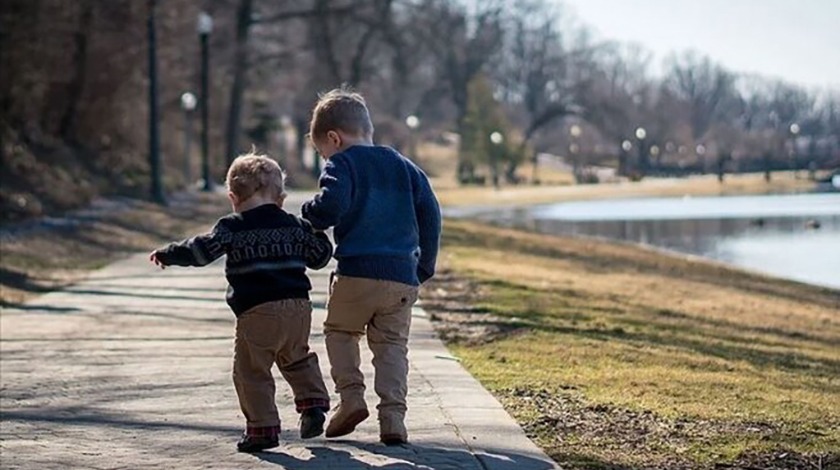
(73, 89)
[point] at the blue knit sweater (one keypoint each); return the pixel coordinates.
(386, 217)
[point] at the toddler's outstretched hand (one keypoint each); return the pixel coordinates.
(153, 257)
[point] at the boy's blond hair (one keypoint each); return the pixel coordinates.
(252, 173)
(340, 109)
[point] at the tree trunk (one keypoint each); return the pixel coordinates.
(75, 87)
(240, 76)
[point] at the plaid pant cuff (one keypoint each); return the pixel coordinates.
(264, 431)
(302, 405)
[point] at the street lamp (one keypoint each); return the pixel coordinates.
(413, 122)
(794, 132)
(188, 103)
(655, 152)
(626, 146)
(154, 124)
(575, 132)
(641, 133)
(496, 138)
(205, 27)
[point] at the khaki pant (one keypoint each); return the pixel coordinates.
(276, 333)
(382, 309)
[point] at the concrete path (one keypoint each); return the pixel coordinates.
(131, 369)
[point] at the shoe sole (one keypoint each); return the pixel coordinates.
(350, 425)
(393, 440)
(257, 449)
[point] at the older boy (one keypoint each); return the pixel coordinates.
(268, 251)
(387, 230)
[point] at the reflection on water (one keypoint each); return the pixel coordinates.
(797, 237)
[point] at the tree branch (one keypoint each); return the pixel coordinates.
(298, 14)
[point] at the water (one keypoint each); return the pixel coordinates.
(792, 236)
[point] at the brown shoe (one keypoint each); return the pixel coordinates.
(392, 430)
(345, 420)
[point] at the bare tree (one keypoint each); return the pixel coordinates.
(621, 98)
(535, 72)
(707, 89)
(462, 43)
(249, 14)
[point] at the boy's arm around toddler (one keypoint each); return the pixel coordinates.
(326, 208)
(319, 249)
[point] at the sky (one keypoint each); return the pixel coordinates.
(795, 40)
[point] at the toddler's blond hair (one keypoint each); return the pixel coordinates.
(252, 173)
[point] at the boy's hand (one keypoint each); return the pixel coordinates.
(153, 257)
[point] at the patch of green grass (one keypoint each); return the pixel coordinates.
(710, 364)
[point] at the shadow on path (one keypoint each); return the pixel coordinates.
(410, 456)
(85, 418)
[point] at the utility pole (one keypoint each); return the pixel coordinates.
(205, 26)
(154, 125)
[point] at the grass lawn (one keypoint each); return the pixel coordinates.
(614, 356)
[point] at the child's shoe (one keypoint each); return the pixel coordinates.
(392, 430)
(257, 443)
(346, 418)
(312, 423)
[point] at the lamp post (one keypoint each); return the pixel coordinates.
(700, 151)
(626, 146)
(154, 126)
(575, 132)
(794, 133)
(641, 133)
(413, 122)
(655, 152)
(205, 27)
(496, 138)
(188, 103)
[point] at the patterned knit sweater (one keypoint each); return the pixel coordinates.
(268, 251)
(386, 217)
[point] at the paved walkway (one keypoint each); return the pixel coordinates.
(131, 369)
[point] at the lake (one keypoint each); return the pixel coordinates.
(791, 236)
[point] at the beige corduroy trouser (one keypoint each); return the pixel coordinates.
(382, 310)
(276, 333)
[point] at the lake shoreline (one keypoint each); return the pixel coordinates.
(792, 236)
(451, 195)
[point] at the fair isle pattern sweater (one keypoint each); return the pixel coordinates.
(268, 251)
(386, 217)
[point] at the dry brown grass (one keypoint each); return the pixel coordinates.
(671, 187)
(38, 257)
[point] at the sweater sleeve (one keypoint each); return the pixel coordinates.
(200, 250)
(429, 222)
(326, 209)
(319, 249)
